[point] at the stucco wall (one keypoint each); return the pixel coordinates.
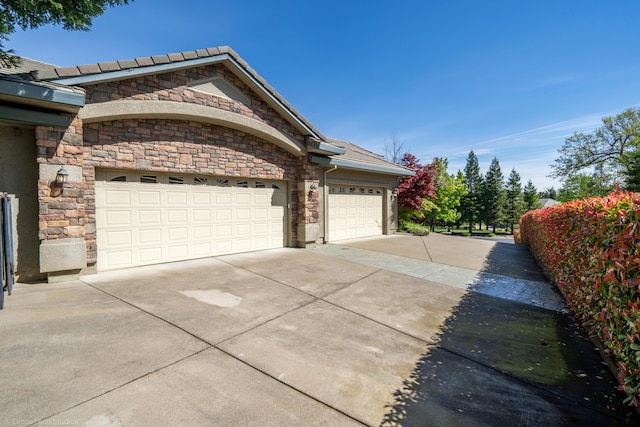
(19, 175)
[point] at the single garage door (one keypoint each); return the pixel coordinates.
(355, 212)
(150, 218)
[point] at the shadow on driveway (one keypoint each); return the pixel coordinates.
(501, 362)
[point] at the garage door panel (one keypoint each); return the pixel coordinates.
(177, 198)
(243, 199)
(155, 221)
(117, 197)
(202, 215)
(243, 229)
(115, 218)
(150, 255)
(224, 214)
(149, 217)
(115, 238)
(177, 216)
(243, 214)
(201, 198)
(151, 235)
(203, 249)
(147, 197)
(120, 258)
(203, 232)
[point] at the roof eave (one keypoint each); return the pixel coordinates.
(317, 146)
(41, 95)
(350, 164)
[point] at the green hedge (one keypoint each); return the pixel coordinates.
(589, 248)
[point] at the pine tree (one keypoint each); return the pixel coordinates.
(514, 199)
(531, 199)
(493, 195)
(470, 203)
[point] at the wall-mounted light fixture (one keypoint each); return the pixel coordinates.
(57, 185)
(61, 176)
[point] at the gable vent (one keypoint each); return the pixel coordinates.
(222, 88)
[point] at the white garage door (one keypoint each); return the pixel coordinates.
(150, 218)
(355, 212)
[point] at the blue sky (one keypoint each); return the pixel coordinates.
(509, 79)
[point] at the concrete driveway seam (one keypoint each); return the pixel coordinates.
(175, 362)
(297, 390)
(149, 313)
(424, 242)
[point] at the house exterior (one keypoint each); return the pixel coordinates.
(174, 157)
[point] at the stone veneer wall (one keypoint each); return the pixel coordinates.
(173, 86)
(64, 216)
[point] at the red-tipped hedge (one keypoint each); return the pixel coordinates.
(590, 249)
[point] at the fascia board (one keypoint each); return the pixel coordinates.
(350, 164)
(21, 91)
(21, 115)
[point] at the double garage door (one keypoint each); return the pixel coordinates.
(150, 218)
(355, 212)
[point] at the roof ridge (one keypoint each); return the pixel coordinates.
(127, 64)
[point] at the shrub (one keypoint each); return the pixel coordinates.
(589, 248)
(415, 229)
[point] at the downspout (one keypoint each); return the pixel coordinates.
(325, 202)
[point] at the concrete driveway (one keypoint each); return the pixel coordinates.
(397, 330)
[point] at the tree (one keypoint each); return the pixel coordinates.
(470, 203)
(607, 147)
(632, 171)
(74, 15)
(514, 206)
(394, 150)
(582, 186)
(493, 195)
(412, 190)
(549, 193)
(449, 191)
(530, 195)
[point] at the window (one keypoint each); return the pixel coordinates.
(200, 181)
(121, 178)
(176, 180)
(260, 185)
(148, 179)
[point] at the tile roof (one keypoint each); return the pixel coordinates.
(26, 69)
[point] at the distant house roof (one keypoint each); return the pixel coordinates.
(547, 203)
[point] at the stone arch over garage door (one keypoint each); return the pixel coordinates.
(188, 149)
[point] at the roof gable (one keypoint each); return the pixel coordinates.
(82, 75)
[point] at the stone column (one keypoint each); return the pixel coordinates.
(62, 215)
